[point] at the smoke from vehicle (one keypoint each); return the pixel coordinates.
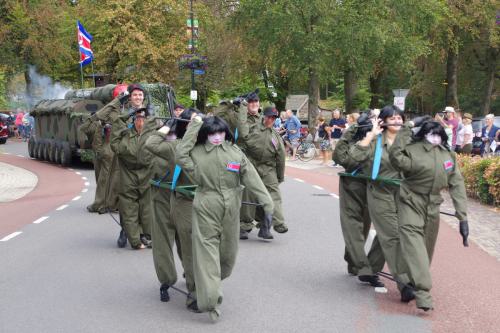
(42, 87)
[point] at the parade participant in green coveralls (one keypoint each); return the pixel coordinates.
(265, 149)
(372, 153)
(428, 166)
(219, 168)
(134, 189)
(354, 216)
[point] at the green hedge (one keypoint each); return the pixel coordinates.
(482, 178)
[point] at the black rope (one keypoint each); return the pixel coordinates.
(394, 279)
(183, 292)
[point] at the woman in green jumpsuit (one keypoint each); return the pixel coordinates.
(428, 166)
(372, 152)
(219, 168)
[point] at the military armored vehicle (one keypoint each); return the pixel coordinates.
(55, 137)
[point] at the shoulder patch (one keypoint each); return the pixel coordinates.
(233, 166)
(448, 165)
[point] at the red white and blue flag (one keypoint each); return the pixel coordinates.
(84, 39)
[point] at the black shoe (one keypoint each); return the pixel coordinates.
(91, 209)
(243, 234)
(281, 229)
(164, 296)
(407, 294)
(265, 233)
(122, 239)
(193, 307)
(146, 241)
(373, 280)
(425, 308)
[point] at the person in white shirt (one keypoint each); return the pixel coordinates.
(465, 135)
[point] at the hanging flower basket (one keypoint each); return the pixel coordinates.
(193, 61)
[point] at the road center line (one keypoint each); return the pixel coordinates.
(334, 195)
(76, 198)
(20, 155)
(85, 190)
(298, 180)
(78, 173)
(87, 184)
(318, 187)
(12, 235)
(84, 178)
(40, 220)
(61, 207)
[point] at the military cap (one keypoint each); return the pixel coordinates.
(135, 86)
(270, 111)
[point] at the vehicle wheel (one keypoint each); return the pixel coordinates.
(32, 147)
(39, 149)
(3, 141)
(306, 151)
(57, 152)
(52, 151)
(65, 154)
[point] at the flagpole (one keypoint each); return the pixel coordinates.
(93, 74)
(81, 73)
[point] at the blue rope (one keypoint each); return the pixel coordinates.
(175, 178)
(378, 157)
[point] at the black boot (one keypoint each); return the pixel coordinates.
(265, 227)
(122, 239)
(407, 294)
(164, 296)
(373, 280)
(243, 234)
(146, 240)
(193, 307)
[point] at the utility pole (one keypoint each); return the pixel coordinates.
(191, 14)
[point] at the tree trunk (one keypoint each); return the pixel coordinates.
(491, 66)
(350, 89)
(451, 78)
(29, 86)
(313, 99)
(375, 89)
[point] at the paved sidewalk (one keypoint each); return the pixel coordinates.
(15, 182)
(484, 221)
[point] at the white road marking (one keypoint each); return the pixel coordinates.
(20, 155)
(84, 178)
(318, 187)
(71, 169)
(87, 184)
(61, 207)
(12, 235)
(6, 153)
(76, 198)
(85, 190)
(334, 195)
(381, 290)
(40, 220)
(298, 180)
(78, 173)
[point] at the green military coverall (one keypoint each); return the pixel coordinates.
(266, 151)
(219, 171)
(176, 226)
(354, 216)
(107, 115)
(427, 170)
(134, 188)
(92, 130)
(382, 198)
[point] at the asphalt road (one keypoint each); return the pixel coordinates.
(66, 274)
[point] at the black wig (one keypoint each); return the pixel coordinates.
(364, 124)
(212, 125)
(432, 127)
(181, 126)
(391, 111)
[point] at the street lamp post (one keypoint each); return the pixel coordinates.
(191, 14)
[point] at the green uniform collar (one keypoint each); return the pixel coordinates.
(209, 147)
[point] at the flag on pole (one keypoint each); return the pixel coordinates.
(84, 40)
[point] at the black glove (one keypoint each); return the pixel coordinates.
(170, 123)
(237, 101)
(123, 98)
(464, 231)
(131, 112)
(417, 122)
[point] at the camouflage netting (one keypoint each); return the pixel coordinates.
(73, 107)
